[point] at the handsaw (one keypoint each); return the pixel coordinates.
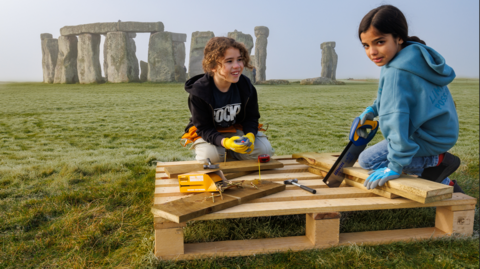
(351, 152)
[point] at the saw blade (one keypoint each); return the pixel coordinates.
(349, 156)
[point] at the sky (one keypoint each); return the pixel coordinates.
(297, 28)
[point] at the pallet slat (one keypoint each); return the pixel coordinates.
(228, 167)
(329, 205)
(413, 188)
(190, 207)
(298, 243)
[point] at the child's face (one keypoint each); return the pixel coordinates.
(380, 48)
(231, 67)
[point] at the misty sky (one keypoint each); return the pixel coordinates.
(297, 28)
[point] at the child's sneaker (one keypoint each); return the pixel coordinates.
(438, 173)
(456, 187)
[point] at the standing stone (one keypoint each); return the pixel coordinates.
(246, 40)
(329, 60)
(199, 40)
(66, 68)
(119, 60)
(143, 71)
(49, 57)
(254, 72)
(88, 61)
(161, 61)
(261, 32)
(179, 56)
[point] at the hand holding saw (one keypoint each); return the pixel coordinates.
(351, 152)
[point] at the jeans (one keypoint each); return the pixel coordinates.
(204, 150)
(375, 157)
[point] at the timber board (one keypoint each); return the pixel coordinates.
(228, 167)
(329, 205)
(190, 207)
(414, 188)
(298, 243)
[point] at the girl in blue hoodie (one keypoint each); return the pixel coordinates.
(416, 111)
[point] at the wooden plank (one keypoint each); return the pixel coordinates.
(402, 193)
(233, 175)
(228, 167)
(282, 157)
(323, 160)
(389, 236)
(304, 179)
(298, 168)
(173, 190)
(289, 162)
(376, 191)
(461, 207)
(322, 193)
(297, 243)
(455, 222)
(185, 209)
(279, 177)
(319, 171)
(405, 186)
(329, 205)
(172, 182)
(161, 176)
(162, 200)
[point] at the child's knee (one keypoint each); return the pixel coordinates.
(366, 161)
(363, 162)
(204, 151)
(263, 146)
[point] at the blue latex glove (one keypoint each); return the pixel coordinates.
(366, 115)
(379, 177)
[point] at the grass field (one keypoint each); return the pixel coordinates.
(77, 176)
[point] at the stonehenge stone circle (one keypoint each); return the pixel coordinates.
(88, 61)
(66, 68)
(161, 61)
(143, 71)
(261, 32)
(120, 61)
(329, 60)
(246, 40)
(105, 27)
(199, 40)
(178, 41)
(49, 57)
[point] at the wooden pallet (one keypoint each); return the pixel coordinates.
(453, 216)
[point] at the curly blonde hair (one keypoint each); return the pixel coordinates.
(215, 49)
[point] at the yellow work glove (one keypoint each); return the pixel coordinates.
(234, 143)
(250, 137)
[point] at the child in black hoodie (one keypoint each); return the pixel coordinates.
(224, 106)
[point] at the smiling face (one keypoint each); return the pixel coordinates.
(230, 69)
(380, 48)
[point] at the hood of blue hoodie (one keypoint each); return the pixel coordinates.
(424, 62)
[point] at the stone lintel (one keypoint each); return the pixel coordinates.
(177, 37)
(105, 27)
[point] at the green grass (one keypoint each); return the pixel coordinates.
(77, 176)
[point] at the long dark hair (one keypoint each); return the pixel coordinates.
(388, 19)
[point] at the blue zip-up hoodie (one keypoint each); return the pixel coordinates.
(416, 111)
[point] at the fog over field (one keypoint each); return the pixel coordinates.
(297, 28)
